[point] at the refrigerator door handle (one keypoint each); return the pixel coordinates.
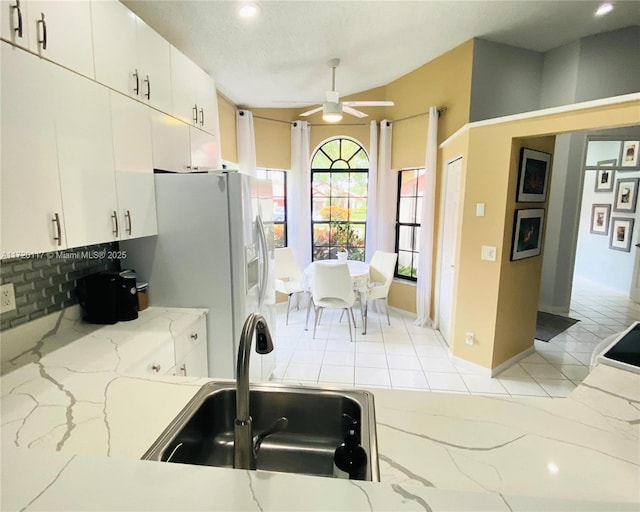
(264, 267)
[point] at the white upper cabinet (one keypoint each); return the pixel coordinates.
(171, 146)
(129, 55)
(13, 22)
(205, 152)
(30, 202)
(194, 94)
(61, 31)
(85, 159)
(131, 124)
(154, 67)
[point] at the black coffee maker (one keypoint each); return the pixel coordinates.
(108, 297)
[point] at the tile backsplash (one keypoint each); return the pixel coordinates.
(45, 283)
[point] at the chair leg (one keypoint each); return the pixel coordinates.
(341, 315)
(306, 322)
(288, 308)
(318, 312)
(386, 307)
(349, 315)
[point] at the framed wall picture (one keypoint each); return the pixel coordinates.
(630, 153)
(527, 233)
(626, 195)
(604, 177)
(600, 214)
(533, 176)
(621, 233)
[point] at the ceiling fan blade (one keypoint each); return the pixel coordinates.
(312, 111)
(369, 103)
(353, 111)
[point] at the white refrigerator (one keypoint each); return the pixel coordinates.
(214, 249)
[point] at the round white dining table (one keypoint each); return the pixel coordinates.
(359, 271)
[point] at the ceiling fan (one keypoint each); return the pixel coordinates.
(333, 108)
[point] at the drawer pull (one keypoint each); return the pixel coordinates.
(194, 336)
(156, 367)
(18, 29)
(43, 23)
(136, 89)
(56, 221)
(183, 369)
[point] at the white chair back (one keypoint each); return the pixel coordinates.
(286, 264)
(382, 268)
(332, 280)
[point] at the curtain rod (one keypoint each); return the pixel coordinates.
(441, 111)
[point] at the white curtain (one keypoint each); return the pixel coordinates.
(299, 193)
(372, 193)
(246, 140)
(425, 257)
(387, 192)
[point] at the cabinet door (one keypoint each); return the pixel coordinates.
(205, 153)
(61, 31)
(132, 153)
(195, 363)
(13, 22)
(114, 46)
(170, 140)
(208, 111)
(85, 159)
(154, 66)
(29, 185)
(184, 87)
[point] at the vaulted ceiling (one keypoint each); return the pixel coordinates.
(279, 57)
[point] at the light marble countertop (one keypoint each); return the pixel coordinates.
(74, 425)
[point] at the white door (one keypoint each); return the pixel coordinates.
(154, 67)
(30, 187)
(205, 153)
(634, 293)
(184, 88)
(85, 159)
(171, 143)
(131, 123)
(449, 237)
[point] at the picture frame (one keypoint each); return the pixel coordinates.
(600, 214)
(621, 234)
(630, 149)
(605, 177)
(533, 176)
(527, 233)
(626, 196)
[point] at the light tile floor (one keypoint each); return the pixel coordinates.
(404, 356)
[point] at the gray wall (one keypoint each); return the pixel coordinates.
(560, 76)
(45, 283)
(505, 80)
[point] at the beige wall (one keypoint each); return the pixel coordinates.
(497, 300)
(228, 139)
(273, 136)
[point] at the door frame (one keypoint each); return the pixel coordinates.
(443, 190)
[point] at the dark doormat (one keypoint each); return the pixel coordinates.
(549, 326)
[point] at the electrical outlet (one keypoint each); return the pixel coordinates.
(470, 338)
(7, 298)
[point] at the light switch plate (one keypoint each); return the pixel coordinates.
(479, 209)
(488, 253)
(7, 298)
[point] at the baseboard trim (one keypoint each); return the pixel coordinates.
(491, 372)
(554, 310)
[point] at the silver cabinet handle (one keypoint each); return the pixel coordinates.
(127, 217)
(156, 367)
(43, 42)
(18, 29)
(56, 221)
(183, 369)
(148, 93)
(202, 117)
(194, 336)
(195, 114)
(136, 89)
(114, 216)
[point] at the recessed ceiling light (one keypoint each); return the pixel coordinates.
(248, 9)
(604, 8)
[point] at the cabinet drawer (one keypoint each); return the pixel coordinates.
(158, 362)
(188, 339)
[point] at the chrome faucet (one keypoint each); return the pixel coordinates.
(246, 446)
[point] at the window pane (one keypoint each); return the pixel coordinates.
(339, 164)
(359, 184)
(405, 238)
(278, 235)
(340, 184)
(321, 185)
(406, 215)
(421, 181)
(332, 149)
(359, 231)
(418, 210)
(320, 161)
(360, 160)
(358, 210)
(321, 234)
(405, 264)
(408, 183)
(320, 208)
(348, 148)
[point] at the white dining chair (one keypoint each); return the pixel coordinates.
(381, 270)
(332, 288)
(288, 275)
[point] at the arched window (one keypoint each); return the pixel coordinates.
(339, 180)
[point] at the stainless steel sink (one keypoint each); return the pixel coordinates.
(203, 431)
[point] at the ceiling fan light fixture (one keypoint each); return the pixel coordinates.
(332, 112)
